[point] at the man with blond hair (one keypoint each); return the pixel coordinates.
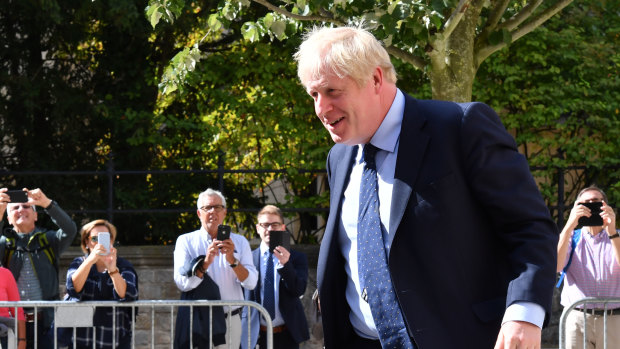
(437, 235)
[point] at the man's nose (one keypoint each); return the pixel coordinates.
(322, 105)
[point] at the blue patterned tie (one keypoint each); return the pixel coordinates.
(269, 299)
(372, 262)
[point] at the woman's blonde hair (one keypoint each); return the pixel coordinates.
(343, 51)
(86, 229)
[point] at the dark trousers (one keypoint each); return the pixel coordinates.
(358, 342)
(45, 337)
(281, 340)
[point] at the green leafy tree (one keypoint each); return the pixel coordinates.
(244, 103)
(447, 39)
(556, 90)
(78, 86)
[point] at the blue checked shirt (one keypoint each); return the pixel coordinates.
(99, 286)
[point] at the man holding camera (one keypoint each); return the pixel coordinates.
(283, 275)
(589, 260)
(32, 254)
(204, 255)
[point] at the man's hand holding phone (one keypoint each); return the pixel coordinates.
(225, 244)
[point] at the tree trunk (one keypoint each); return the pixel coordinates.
(452, 65)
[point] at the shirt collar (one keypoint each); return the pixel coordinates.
(386, 136)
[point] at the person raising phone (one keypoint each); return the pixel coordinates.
(283, 274)
(32, 253)
(203, 262)
(589, 260)
(102, 275)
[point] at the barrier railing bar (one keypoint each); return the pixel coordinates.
(585, 301)
(152, 304)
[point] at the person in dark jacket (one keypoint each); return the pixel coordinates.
(32, 254)
(289, 278)
(437, 235)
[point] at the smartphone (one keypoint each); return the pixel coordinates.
(223, 232)
(103, 238)
(595, 219)
(279, 238)
(18, 195)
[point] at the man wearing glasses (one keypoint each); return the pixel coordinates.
(32, 254)
(281, 285)
(228, 263)
(589, 260)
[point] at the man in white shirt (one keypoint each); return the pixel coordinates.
(228, 263)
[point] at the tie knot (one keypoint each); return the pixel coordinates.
(369, 154)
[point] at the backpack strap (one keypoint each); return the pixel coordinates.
(44, 245)
(9, 250)
(573, 244)
(11, 247)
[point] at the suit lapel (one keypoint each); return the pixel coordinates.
(256, 260)
(411, 148)
(341, 159)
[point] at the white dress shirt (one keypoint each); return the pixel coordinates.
(196, 243)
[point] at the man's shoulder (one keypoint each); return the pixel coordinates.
(189, 235)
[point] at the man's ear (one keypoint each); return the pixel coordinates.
(377, 78)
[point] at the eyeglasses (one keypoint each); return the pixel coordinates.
(18, 206)
(274, 225)
(217, 208)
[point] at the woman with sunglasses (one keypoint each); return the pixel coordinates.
(102, 275)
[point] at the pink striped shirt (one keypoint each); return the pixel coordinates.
(593, 272)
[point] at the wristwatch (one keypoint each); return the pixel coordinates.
(235, 263)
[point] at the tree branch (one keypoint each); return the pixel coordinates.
(455, 18)
(407, 57)
(488, 49)
(289, 14)
(494, 17)
(540, 19)
(521, 17)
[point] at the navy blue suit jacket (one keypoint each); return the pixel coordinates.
(469, 231)
(293, 281)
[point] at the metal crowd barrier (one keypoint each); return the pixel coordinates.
(80, 314)
(585, 302)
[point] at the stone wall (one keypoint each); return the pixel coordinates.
(154, 266)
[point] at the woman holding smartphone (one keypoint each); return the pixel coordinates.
(101, 275)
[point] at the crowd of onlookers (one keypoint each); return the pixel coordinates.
(210, 263)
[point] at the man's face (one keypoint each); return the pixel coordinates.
(350, 114)
(590, 196)
(21, 216)
(211, 213)
(266, 223)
